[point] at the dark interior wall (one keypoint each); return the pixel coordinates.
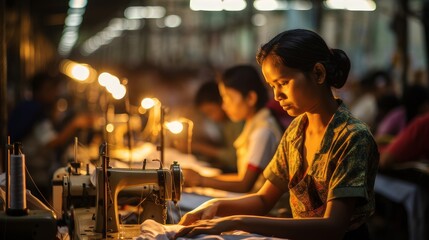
(25, 51)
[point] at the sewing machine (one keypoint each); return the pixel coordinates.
(155, 186)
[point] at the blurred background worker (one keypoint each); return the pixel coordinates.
(220, 154)
(414, 102)
(244, 98)
(409, 145)
(34, 123)
(374, 97)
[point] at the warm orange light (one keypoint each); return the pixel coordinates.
(148, 103)
(79, 72)
(175, 127)
(110, 127)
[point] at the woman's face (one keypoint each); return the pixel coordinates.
(236, 106)
(295, 91)
(213, 111)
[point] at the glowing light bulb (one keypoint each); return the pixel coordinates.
(148, 103)
(175, 127)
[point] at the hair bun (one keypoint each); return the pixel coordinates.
(341, 68)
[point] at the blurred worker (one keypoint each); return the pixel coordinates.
(411, 144)
(327, 159)
(374, 99)
(221, 153)
(244, 97)
(32, 123)
(415, 101)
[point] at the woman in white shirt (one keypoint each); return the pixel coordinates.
(244, 98)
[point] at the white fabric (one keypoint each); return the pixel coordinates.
(151, 229)
(45, 132)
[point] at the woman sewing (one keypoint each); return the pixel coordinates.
(244, 98)
(327, 159)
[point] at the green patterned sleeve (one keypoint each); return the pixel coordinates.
(277, 170)
(357, 163)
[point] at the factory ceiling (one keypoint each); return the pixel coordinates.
(50, 17)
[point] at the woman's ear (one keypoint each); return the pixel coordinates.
(320, 73)
(251, 98)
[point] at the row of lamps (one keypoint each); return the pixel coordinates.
(81, 72)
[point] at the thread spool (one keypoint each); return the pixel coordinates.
(17, 205)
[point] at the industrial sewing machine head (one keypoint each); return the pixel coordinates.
(156, 186)
(160, 185)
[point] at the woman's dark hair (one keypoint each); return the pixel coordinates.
(302, 49)
(208, 93)
(244, 79)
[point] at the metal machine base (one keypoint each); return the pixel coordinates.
(84, 225)
(38, 224)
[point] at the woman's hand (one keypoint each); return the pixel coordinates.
(211, 226)
(191, 178)
(206, 211)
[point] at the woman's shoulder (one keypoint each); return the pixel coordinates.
(295, 128)
(344, 123)
(357, 129)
